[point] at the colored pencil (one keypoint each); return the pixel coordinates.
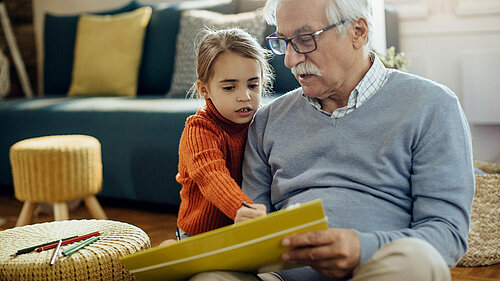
(76, 248)
(32, 248)
(177, 234)
(76, 239)
(247, 205)
(56, 251)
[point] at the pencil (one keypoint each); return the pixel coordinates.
(76, 239)
(243, 203)
(56, 251)
(76, 248)
(32, 248)
(177, 234)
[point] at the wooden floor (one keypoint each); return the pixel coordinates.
(159, 223)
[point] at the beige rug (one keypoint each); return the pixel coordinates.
(484, 235)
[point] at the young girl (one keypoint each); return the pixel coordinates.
(233, 72)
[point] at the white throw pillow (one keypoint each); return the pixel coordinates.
(192, 23)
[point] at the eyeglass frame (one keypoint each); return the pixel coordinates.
(313, 36)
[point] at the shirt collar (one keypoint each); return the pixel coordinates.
(371, 82)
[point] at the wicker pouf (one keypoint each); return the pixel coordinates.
(98, 261)
(56, 169)
(484, 235)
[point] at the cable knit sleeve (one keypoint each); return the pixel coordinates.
(202, 150)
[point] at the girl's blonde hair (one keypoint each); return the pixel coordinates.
(217, 42)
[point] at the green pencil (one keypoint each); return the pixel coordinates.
(76, 248)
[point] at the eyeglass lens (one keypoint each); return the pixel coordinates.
(278, 46)
(302, 44)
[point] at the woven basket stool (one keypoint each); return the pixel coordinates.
(97, 261)
(484, 235)
(56, 169)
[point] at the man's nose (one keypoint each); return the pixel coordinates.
(292, 58)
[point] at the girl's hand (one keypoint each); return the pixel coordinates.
(246, 213)
(168, 241)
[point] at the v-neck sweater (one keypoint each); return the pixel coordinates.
(210, 158)
(398, 166)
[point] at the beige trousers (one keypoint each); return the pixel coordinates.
(408, 259)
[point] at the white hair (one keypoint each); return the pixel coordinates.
(337, 10)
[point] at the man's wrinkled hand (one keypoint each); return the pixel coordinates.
(333, 253)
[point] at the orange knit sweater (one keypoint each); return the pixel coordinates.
(210, 159)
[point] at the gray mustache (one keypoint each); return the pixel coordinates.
(306, 68)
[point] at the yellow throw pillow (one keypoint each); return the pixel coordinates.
(108, 53)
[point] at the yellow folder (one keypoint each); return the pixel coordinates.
(250, 246)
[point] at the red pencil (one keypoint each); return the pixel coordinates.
(79, 238)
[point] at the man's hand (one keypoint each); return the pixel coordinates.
(333, 252)
(252, 211)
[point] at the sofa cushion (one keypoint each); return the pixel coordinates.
(108, 53)
(192, 23)
(139, 138)
(159, 51)
(59, 46)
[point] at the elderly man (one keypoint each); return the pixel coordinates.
(389, 154)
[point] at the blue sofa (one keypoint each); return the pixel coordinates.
(139, 136)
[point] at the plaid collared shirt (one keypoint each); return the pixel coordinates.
(373, 80)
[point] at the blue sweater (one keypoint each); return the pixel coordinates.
(398, 166)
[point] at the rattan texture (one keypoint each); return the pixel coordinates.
(98, 261)
(56, 168)
(484, 235)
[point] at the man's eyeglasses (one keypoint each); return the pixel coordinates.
(302, 44)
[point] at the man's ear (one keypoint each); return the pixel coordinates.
(360, 33)
(202, 88)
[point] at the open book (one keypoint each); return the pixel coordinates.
(250, 246)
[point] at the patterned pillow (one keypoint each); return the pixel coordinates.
(192, 23)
